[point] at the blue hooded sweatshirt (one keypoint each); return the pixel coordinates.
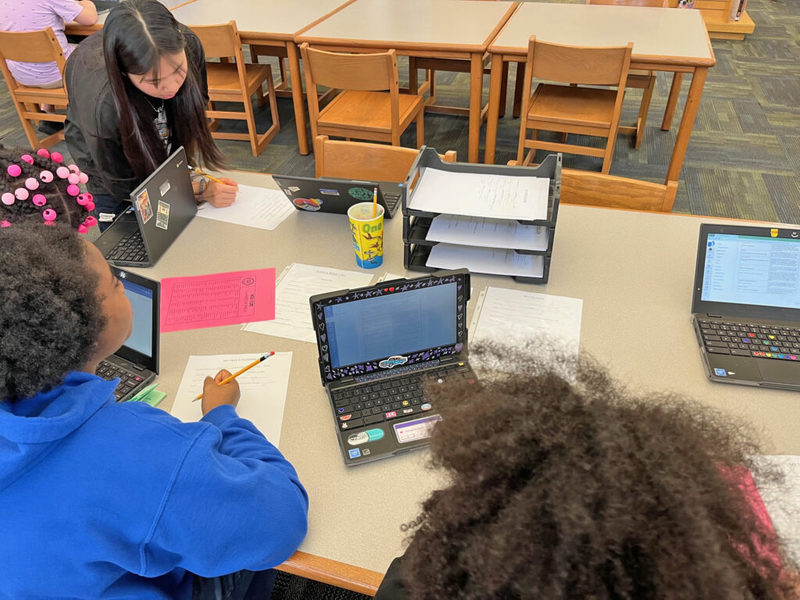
(107, 500)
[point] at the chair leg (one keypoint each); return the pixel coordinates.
(644, 107)
(518, 85)
(421, 127)
(608, 155)
(672, 102)
(503, 91)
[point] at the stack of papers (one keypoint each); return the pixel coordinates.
(489, 233)
(486, 260)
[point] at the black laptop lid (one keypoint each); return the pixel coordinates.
(164, 204)
(329, 194)
(141, 347)
(748, 272)
(392, 324)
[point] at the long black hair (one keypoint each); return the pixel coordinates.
(136, 35)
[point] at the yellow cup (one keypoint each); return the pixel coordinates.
(367, 234)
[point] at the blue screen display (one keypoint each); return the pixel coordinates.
(141, 299)
(402, 323)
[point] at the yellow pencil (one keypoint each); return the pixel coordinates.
(239, 372)
(207, 176)
(374, 202)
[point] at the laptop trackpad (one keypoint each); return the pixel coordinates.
(780, 371)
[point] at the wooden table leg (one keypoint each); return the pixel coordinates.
(297, 97)
(672, 101)
(475, 89)
(687, 123)
(495, 77)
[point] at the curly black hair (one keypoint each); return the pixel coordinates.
(50, 315)
(588, 491)
(58, 199)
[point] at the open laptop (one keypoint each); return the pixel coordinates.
(105, 5)
(376, 345)
(337, 195)
(746, 304)
(136, 362)
(162, 207)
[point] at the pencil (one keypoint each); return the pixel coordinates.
(240, 371)
(207, 176)
(374, 202)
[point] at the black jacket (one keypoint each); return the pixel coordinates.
(92, 127)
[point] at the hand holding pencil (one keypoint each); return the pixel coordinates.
(221, 191)
(223, 388)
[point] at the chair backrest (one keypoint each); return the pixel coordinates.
(362, 160)
(583, 65)
(29, 46)
(651, 3)
(609, 191)
(365, 72)
(220, 41)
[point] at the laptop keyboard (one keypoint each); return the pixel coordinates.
(741, 339)
(127, 380)
(130, 248)
(391, 200)
(387, 399)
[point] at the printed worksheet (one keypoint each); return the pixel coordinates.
(297, 284)
(263, 389)
(263, 208)
(490, 233)
(495, 261)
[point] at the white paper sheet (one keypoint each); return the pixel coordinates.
(263, 389)
(485, 260)
(297, 284)
(258, 207)
(489, 233)
(513, 317)
(783, 501)
(481, 195)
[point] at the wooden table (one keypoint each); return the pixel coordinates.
(636, 309)
(449, 29)
(73, 28)
(663, 40)
(268, 23)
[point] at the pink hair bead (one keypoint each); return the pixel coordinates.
(62, 172)
(56, 157)
(73, 190)
(83, 199)
(46, 176)
(14, 170)
(83, 178)
(21, 194)
(43, 152)
(8, 198)
(4, 224)
(83, 228)
(39, 199)
(73, 178)
(32, 183)
(49, 215)
(90, 221)
(74, 168)
(90, 206)
(27, 158)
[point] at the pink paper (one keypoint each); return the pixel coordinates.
(218, 299)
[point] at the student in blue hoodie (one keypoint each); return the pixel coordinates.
(107, 500)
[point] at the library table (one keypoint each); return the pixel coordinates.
(449, 29)
(73, 28)
(663, 40)
(267, 23)
(636, 309)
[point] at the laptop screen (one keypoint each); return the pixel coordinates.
(391, 324)
(141, 347)
(748, 271)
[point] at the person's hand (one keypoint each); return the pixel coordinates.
(215, 395)
(221, 194)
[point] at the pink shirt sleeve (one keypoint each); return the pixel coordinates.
(66, 9)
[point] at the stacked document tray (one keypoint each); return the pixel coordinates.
(488, 218)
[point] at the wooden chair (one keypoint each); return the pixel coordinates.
(361, 160)
(236, 82)
(34, 46)
(599, 189)
(639, 78)
(363, 109)
(573, 108)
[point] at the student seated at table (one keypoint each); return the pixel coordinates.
(119, 500)
(137, 91)
(587, 491)
(33, 15)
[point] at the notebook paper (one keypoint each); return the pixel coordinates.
(263, 208)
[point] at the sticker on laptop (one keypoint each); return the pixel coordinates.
(392, 362)
(164, 188)
(418, 429)
(144, 207)
(720, 372)
(364, 437)
(162, 218)
(312, 204)
(360, 193)
(328, 192)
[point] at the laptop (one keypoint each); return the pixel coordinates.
(136, 362)
(105, 5)
(161, 208)
(377, 345)
(337, 195)
(746, 304)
